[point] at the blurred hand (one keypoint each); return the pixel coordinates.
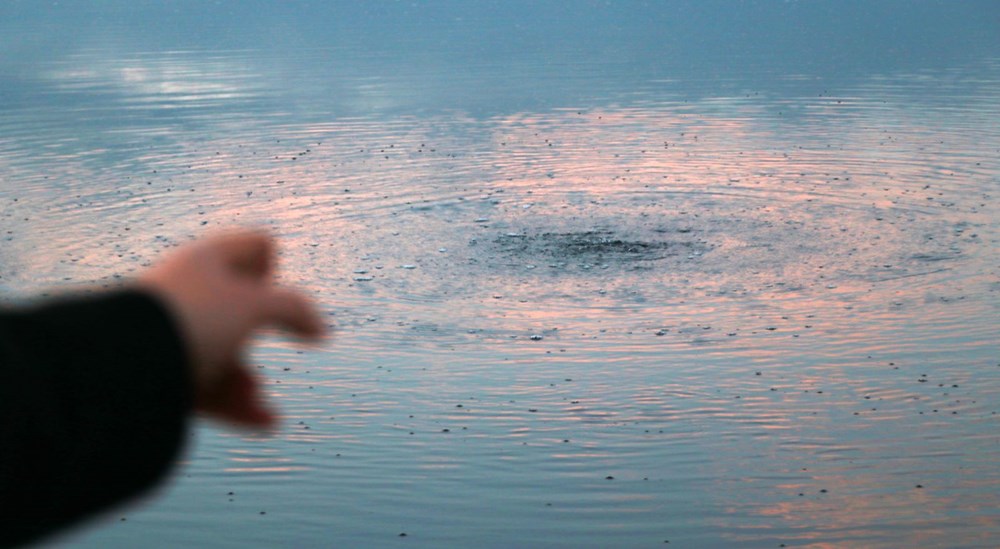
(221, 291)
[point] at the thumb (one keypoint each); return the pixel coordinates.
(235, 397)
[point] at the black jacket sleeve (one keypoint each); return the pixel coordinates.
(94, 398)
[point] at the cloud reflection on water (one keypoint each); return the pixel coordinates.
(832, 238)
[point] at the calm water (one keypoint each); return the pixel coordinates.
(599, 275)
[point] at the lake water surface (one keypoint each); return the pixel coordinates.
(704, 275)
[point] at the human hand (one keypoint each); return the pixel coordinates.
(221, 291)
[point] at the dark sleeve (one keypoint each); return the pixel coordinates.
(94, 400)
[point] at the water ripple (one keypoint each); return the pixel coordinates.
(584, 314)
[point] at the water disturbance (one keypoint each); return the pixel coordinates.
(754, 309)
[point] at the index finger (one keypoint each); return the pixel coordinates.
(249, 253)
(292, 312)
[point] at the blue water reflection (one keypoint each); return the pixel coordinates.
(601, 274)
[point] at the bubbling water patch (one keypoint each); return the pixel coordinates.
(591, 248)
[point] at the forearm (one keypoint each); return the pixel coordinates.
(94, 399)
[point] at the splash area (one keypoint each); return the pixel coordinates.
(628, 275)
